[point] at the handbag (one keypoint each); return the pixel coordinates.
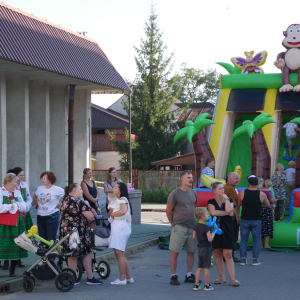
(8, 219)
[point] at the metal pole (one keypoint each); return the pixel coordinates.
(130, 153)
(71, 135)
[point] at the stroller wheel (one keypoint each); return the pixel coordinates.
(28, 285)
(72, 272)
(78, 272)
(32, 278)
(64, 281)
(103, 269)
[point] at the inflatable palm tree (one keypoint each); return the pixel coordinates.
(260, 155)
(297, 178)
(196, 136)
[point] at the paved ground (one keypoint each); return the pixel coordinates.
(276, 278)
(154, 224)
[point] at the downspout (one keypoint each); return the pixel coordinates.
(71, 135)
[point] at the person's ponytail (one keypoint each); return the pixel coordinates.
(69, 188)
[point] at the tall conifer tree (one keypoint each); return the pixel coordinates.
(152, 98)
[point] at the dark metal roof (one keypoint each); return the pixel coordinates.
(194, 110)
(106, 118)
(38, 43)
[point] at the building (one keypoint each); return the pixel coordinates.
(103, 150)
(186, 161)
(47, 76)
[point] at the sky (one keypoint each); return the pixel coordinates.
(200, 32)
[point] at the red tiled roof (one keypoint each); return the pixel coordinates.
(107, 119)
(38, 43)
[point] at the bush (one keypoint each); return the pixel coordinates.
(158, 195)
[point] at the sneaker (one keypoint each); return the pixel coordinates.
(118, 282)
(208, 287)
(255, 262)
(77, 282)
(190, 279)
(174, 280)
(196, 287)
(93, 281)
(243, 262)
(130, 280)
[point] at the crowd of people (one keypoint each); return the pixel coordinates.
(263, 202)
(58, 212)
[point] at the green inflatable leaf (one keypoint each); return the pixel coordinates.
(191, 132)
(180, 134)
(296, 121)
(189, 123)
(251, 128)
(240, 130)
(229, 68)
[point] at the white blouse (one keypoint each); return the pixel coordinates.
(7, 207)
(23, 185)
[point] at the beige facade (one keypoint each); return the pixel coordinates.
(106, 160)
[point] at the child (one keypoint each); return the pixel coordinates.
(291, 134)
(290, 177)
(204, 236)
(269, 185)
(114, 203)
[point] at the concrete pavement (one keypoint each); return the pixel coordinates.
(275, 279)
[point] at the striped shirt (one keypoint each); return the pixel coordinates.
(206, 171)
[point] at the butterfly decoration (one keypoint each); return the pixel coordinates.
(250, 64)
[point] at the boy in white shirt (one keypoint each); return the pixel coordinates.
(290, 177)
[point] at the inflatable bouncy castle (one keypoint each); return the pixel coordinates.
(250, 110)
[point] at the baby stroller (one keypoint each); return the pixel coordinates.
(45, 268)
(100, 242)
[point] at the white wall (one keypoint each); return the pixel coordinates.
(82, 133)
(33, 129)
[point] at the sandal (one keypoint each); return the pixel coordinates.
(219, 281)
(234, 283)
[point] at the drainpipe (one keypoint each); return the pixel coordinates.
(71, 135)
(130, 152)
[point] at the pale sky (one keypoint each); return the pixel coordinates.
(200, 32)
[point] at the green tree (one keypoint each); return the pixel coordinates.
(260, 155)
(152, 98)
(123, 148)
(197, 85)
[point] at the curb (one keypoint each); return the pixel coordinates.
(17, 283)
(153, 209)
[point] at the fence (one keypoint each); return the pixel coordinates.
(146, 179)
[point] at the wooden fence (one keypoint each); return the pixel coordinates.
(146, 179)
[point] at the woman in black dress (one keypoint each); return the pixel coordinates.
(222, 207)
(90, 191)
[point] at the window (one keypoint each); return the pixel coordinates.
(288, 101)
(246, 100)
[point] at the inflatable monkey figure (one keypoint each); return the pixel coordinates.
(289, 61)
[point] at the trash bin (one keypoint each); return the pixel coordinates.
(135, 197)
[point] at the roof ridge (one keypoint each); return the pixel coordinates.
(47, 22)
(111, 112)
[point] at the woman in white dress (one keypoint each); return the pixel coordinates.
(120, 232)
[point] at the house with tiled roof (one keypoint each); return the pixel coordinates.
(103, 151)
(47, 76)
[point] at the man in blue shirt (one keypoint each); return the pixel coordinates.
(208, 170)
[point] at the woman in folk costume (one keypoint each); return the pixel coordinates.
(10, 200)
(22, 187)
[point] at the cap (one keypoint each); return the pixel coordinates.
(252, 179)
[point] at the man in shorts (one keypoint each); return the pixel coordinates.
(181, 214)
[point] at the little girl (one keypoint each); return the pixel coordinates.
(114, 203)
(269, 185)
